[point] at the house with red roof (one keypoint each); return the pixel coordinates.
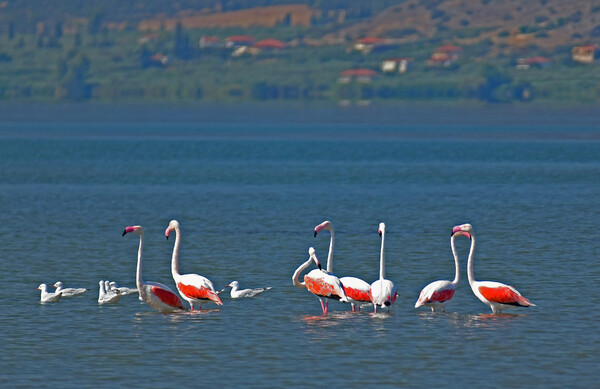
(539, 62)
(445, 56)
(236, 41)
(584, 54)
(269, 44)
(367, 44)
(206, 42)
(359, 75)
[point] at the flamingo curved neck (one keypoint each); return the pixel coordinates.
(175, 258)
(382, 258)
(298, 284)
(138, 275)
(456, 264)
(470, 262)
(330, 255)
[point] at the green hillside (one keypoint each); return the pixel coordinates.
(178, 51)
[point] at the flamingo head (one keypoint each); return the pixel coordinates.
(313, 256)
(381, 230)
(462, 229)
(326, 225)
(173, 224)
(233, 284)
(137, 229)
(58, 284)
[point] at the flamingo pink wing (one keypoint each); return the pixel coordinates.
(357, 294)
(503, 295)
(167, 297)
(319, 287)
(442, 295)
(199, 293)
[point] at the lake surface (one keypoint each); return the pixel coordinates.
(248, 186)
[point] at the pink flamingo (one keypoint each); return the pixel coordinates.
(356, 289)
(194, 288)
(156, 295)
(383, 292)
(319, 282)
(438, 293)
(496, 295)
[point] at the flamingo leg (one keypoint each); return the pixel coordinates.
(353, 308)
(324, 306)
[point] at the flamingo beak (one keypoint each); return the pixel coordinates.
(315, 234)
(124, 232)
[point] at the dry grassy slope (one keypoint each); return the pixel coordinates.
(300, 15)
(495, 15)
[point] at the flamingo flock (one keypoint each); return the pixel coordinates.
(323, 283)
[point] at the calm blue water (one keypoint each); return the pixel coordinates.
(248, 188)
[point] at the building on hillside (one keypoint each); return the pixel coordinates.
(269, 44)
(367, 44)
(538, 62)
(207, 42)
(358, 75)
(445, 56)
(584, 54)
(235, 41)
(393, 65)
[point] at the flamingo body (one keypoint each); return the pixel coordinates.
(496, 295)
(156, 295)
(501, 295)
(194, 288)
(436, 295)
(68, 292)
(383, 293)
(357, 291)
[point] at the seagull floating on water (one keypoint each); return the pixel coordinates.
(46, 296)
(68, 292)
(238, 293)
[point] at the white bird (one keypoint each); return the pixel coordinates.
(48, 297)
(383, 292)
(107, 297)
(68, 292)
(237, 293)
(122, 289)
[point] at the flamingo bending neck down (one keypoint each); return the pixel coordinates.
(383, 292)
(68, 292)
(356, 289)
(319, 282)
(438, 293)
(496, 295)
(194, 288)
(48, 297)
(155, 294)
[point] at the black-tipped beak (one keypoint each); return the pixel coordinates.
(319, 265)
(124, 232)
(315, 234)
(379, 233)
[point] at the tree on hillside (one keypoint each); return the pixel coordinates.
(72, 74)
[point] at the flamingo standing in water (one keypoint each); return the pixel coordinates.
(193, 288)
(383, 292)
(496, 295)
(156, 295)
(356, 289)
(438, 293)
(319, 282)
